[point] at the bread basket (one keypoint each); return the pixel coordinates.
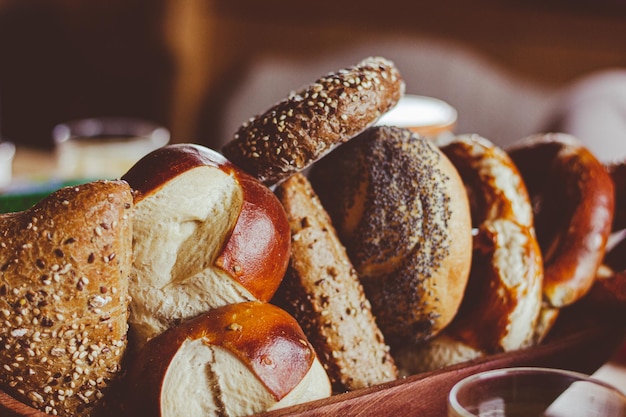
(585, 337)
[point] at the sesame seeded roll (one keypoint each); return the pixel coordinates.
(304, 127)
(64, 268)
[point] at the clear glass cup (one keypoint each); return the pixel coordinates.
(534, 392)
(104, 148)
(7, 154)
(427, 116)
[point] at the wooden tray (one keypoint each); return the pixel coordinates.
(583, 339)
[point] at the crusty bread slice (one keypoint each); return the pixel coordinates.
(321, 289)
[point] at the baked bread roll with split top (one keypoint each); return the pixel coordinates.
(205, 235)
(235, 360)
(64, 268)
(574, 201)
(503, 299)
(322, 291)
(304, 127)
(401, 211)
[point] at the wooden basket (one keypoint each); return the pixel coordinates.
(584, 338)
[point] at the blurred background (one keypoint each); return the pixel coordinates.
(201, 67)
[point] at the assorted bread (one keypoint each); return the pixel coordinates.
(503, 300)
(318, 253)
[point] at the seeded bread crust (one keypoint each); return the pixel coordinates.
(321, 289)
(401, 211)
(64, 297)
(308, 124)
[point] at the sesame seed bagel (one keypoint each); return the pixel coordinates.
(400, 209)
(302, 128)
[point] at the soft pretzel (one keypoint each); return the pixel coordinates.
(401, 211)
(573, 202)
(308, 124)
(502, 301)
(609, 288)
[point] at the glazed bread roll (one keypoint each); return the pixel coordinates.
(322, 291)
(574, 198)
(233, 361)
(400, 208)
(64, 297)
(302, 128)
(203, 233)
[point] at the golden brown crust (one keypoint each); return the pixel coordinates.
(321, 289)
(261, 231)
(401, 211)
(64, 296)
(149, 174)
(502, 301)
(573, 198)
(263, 336)
(308, 124)
(617, 171)
(503, 297)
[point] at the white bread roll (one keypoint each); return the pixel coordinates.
(233, 361)
(203, 232)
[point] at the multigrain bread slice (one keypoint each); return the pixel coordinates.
(64, 268)
(321, 289)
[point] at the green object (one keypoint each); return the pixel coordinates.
(23, 196)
